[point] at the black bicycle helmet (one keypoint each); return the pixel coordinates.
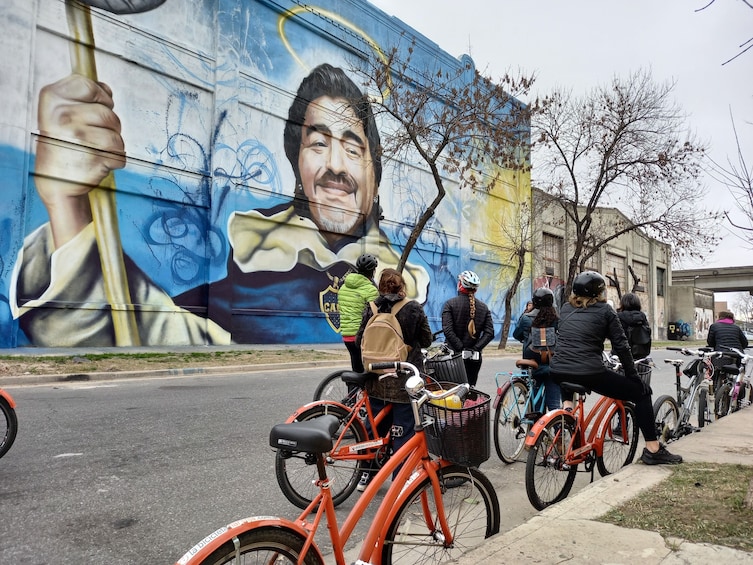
(589, 284)
(542, 297)
(366, 263)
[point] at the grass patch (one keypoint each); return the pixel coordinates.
(699, 502)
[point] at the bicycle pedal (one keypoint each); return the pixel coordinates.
(533, 416)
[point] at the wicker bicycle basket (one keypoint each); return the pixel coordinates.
(459, 435)
(448, 368)
(644, 372)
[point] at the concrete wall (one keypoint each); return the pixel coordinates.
(691, 312)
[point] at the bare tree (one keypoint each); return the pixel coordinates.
(519, 234)
(625, 146)
(457, 122)
(744, 308)
(745, 45)
(738, 178)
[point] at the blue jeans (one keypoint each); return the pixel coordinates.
(552, 391)
(400, 421)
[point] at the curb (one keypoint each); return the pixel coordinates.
(24, 380)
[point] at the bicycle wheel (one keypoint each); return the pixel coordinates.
(8, 426)
(722, 400)
(509, 430)
(296, 471)
(666, 415)
(548, 479)
(332, 387)
(263, 545)
(703, 408)
(472, 511)
(620, 441)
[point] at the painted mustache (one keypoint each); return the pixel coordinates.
(334, 181)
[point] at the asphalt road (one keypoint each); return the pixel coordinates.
(137, 471)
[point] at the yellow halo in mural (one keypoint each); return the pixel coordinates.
(335, 17)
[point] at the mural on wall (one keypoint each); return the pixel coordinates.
(702, 320)
(223, 194)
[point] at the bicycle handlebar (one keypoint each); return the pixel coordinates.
(461, 390)
(700, 352)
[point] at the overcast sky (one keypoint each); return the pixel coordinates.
(579, 44)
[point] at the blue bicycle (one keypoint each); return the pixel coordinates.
(519, 403)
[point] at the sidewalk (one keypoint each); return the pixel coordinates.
(568, 533)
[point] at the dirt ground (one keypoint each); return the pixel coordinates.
(12, 365)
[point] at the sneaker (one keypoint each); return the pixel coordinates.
(661, 457)
(364, 482)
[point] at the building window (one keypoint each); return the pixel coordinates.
(551, 255)
(592, 263)
(640, 270)
(660, 274)
(616, 268)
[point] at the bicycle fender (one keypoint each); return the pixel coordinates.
(294, 416)
(8, 398)
(500, 393)
(541, 423)
(504, 388)
(226, 534)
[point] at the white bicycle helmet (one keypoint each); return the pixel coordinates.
(469, 280)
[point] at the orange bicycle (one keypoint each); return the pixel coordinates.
(436, 508)
(605, 437)
(358, 445)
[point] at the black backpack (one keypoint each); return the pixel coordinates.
(639, 338)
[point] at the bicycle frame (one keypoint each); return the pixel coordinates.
(534, 401)
(589, 427)
(739, 380)
(359, 451)
(687, 397)
(416, 465)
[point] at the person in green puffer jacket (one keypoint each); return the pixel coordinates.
(357, 290)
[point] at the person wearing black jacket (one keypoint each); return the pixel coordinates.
(635, 325)
(585, 322)
(725, 333)
(467, 324)
(542, 315)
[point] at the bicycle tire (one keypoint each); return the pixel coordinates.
(297, 472)
(472, 511)
(262, 545)
(703, 407)
(547, 480)
(722, 400)
(332, 387)
(509, 431)
(620, 444)
(8, 426)
(666, 416)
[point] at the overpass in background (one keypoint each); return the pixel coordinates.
(717, 279)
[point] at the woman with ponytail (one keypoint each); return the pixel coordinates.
(467, 324)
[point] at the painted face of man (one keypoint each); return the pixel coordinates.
(336, 168)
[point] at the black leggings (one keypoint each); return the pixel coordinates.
(614, 385)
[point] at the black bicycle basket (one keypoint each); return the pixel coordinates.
(644, 372)
(459, 435)
(447, 368)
